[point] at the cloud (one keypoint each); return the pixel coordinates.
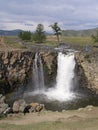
(70, 14)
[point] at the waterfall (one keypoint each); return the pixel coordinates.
(64, 80)
(38, 75)
(63, 89)
(35, 72)
(41, 74)
(65, 73)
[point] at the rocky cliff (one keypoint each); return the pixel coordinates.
(16, 69)
(87, 67)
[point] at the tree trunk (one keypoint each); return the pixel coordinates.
(58, 38)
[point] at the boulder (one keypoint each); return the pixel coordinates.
(22, 105)
(28, 109)
(19, 105)
(34, 105)
(8, 111)
(16, 106)
(3, 105)
(37, 107)
(40, 107)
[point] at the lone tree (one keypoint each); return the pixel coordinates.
(56, 29)
(95, 38)
(39, 35)
(25, 35)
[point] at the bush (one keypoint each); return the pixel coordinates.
(25, 35)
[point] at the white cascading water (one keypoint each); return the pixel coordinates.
(38, 75)
(35, 72)
(64, 80)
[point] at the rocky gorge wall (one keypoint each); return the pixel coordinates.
(16, 69)
(87, 67)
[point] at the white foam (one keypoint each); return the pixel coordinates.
(64, 81)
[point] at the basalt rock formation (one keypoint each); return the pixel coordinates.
(87, 67)
(16, 69)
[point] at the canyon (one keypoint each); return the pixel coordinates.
(16, 68)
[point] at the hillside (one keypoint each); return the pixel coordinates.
(83, 33)
(10, 32)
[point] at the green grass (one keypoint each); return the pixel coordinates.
(52, 41)
(81, 41)
(78, 40)
(86, 124)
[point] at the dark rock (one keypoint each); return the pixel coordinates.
(27, 109)
(8, 111)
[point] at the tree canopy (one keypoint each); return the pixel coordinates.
(56, 29)
(39, 35)
(25, 35)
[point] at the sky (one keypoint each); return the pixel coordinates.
(69, 14)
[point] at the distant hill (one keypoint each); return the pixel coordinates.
(74, 33)
(9, 32)
(83, 33)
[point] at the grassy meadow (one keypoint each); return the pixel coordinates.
(52, 40)
(79, 40)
